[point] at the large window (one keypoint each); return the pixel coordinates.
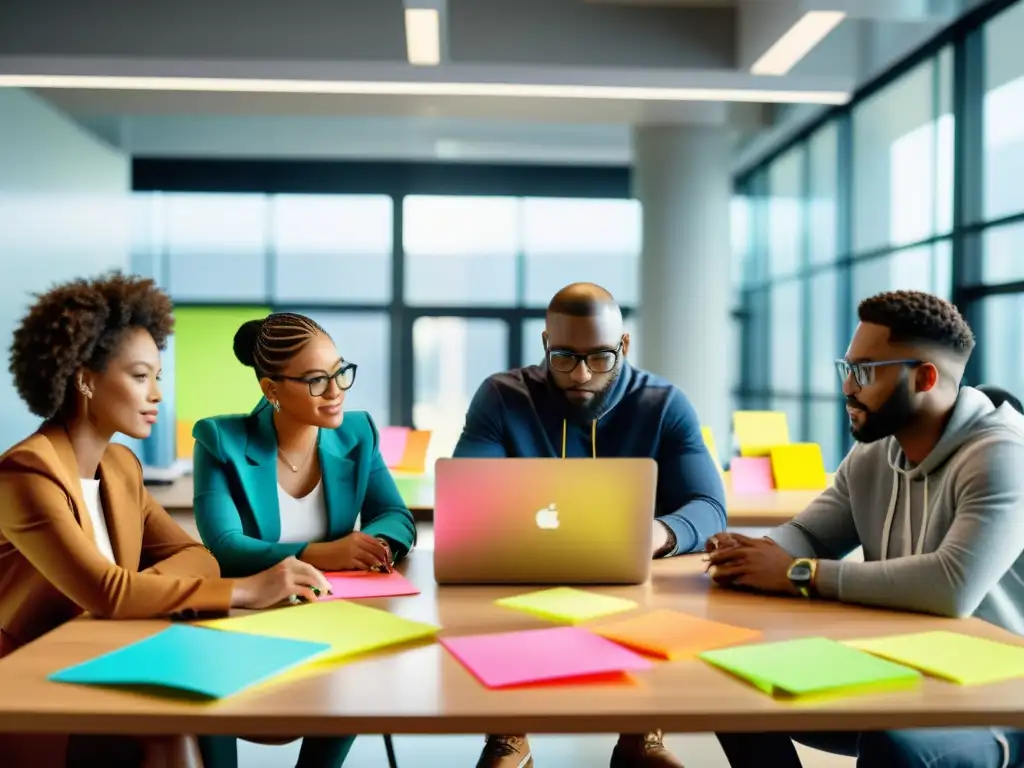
(1003, 121)
(903, 159)
(461, 251)
(865, 203)
(451, 357)
(476, 273)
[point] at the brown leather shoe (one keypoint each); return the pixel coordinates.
(506, 752)
(645, 750)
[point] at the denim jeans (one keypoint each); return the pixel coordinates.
(921, 748)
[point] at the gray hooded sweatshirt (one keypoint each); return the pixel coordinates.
(944, 537)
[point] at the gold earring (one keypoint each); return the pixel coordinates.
(85, 391)
(277, 405)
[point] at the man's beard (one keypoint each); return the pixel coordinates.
(585, 412)
(892, 416)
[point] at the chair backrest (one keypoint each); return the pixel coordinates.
(998, 396)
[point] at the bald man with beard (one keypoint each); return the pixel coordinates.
(586, 400)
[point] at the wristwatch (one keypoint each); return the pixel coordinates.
(801, 575)
(670, 542)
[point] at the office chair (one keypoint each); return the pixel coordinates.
(998, 396)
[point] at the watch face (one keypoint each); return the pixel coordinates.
(800, 572)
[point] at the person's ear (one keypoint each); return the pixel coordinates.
(926, 377)
(269, 388)
(544, 339)
(625, 345)
(85, 382)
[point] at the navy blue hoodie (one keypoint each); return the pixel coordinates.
(520, 414)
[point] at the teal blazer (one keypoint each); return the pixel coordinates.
(235, 474)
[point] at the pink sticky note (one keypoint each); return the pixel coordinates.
(751, 474)
(392, 445)
(540, 655)
(353, 585)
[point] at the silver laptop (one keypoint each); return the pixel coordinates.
(543, 521)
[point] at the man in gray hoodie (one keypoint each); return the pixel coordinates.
(934, 493)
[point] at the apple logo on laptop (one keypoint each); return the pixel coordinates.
(547, 518)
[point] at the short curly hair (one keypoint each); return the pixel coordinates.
(81, 324)
(915, 317)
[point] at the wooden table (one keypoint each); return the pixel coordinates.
(422, 689)
(758, 510)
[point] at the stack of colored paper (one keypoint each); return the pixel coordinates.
(951, 656)
(567, 605)
(194, 660)
(810, 666)
(347, 628)
(540, 656)
(673, 635)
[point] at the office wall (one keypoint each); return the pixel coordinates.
(62, 215)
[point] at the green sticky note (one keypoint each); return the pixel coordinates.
(958, 658)
(809, 666)
(208, 380)
(567, 605)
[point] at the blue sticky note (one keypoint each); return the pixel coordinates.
(194, 660)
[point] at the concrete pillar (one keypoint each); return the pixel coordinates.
(682, 178)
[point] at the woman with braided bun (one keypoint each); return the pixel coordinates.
(293, 478)
(79, 532)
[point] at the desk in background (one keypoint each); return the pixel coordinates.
(439, 696)
(759, 510)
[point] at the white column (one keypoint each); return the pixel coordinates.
(682, 178)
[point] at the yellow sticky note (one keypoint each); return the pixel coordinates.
(950, 655)
(567, 605)
(709, 441)
(349, 628)
(757, 432)
(799, 467)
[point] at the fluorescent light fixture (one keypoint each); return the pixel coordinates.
(423, 36)
(797, 42)
(420, 88)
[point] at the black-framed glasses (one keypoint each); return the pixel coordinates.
(864, 373)
(344, 377)
(598, 361)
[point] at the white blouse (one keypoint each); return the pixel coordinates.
(94, 503)
(303, 520)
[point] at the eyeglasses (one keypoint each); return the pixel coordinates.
(598, 361)
(344, 377)
(864, 373)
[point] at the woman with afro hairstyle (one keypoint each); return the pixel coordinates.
(79, 532)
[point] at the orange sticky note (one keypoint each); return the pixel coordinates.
(757, 432)
(799, 467)
(672, 635)
(414, 458)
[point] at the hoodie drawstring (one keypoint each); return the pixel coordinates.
(593, 437)
(897, 472)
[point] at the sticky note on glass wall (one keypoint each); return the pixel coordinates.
(757, 432)
(799, 467)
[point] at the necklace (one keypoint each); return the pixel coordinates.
(295, 467)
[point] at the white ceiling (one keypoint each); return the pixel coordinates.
(633, 43)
